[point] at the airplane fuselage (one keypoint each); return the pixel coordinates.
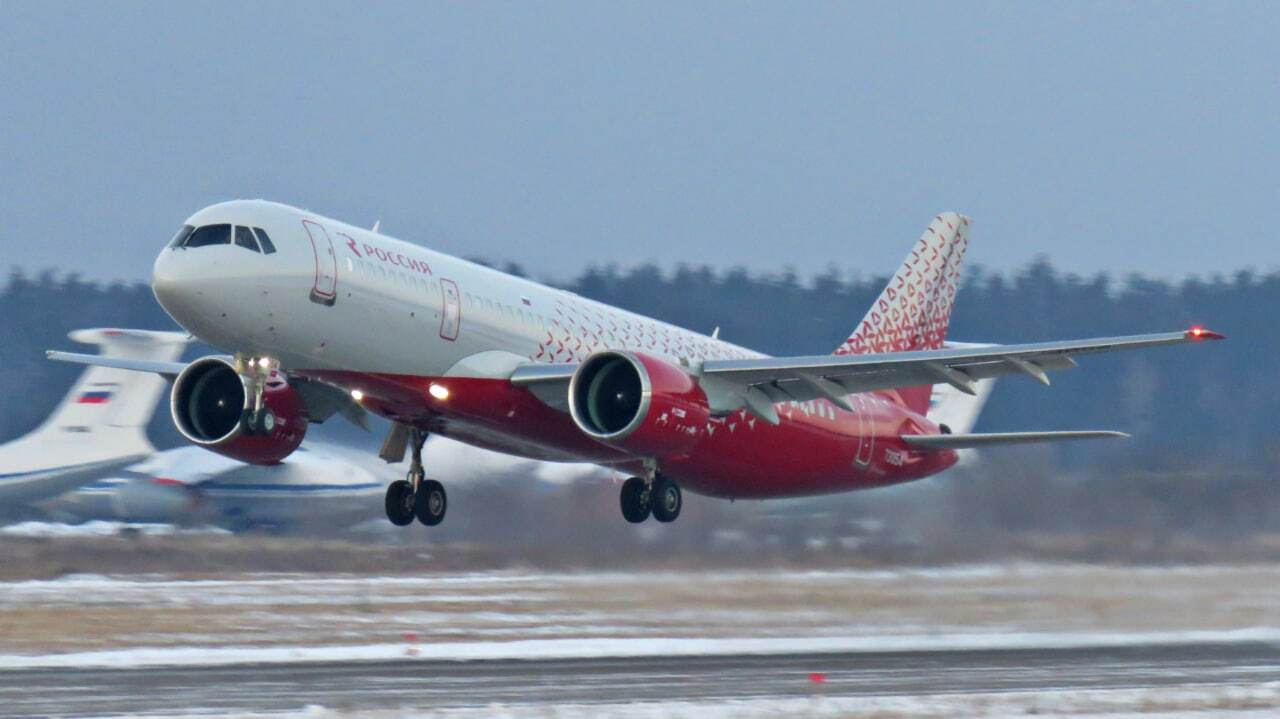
(430, 340)
(313, 488)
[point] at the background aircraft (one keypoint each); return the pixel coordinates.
(95, 445)
(319, 487)
(99, 426)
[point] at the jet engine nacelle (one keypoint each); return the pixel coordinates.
(647, 406)
(209, 400)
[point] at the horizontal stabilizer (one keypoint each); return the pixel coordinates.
(970, 441)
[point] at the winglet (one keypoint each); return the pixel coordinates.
(1198, 333)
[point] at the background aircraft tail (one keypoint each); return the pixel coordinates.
(958, 411)
(106, 402)
(914, 310)
(99, 426)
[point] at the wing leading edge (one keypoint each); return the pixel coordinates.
(738, 382)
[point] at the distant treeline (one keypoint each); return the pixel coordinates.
(1213, 405)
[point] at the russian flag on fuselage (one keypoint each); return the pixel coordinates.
(95, 397)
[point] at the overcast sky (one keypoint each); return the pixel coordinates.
(1108, 136)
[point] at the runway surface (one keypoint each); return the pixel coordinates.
(429, 684)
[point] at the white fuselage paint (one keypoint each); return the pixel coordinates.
(390, 311)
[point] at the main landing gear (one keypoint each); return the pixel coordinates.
(415, 495)
(659, 496)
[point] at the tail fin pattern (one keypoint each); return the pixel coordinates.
(914, 310)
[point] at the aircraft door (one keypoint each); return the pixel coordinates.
(325, 290)
(451, 310)
(866, 430)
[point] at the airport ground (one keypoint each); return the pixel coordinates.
(189, 624)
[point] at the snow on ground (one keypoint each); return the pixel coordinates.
(615, 648)
(92, 613)
(1257, 701)
(99, 528)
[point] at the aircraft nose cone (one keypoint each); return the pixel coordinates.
(176, 281)
(165, 280)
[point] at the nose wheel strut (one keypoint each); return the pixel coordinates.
(257, 418)
(415, 496)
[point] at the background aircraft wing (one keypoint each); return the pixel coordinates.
(168, 370)
(758, 383)
(322, 400)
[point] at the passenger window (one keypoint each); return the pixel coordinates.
(244, 238)
(210, 235)
(182, 236)
(267, 247)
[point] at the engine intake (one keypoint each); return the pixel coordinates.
(209, 400)
(642, 404)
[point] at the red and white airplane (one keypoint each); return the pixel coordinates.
(322, 317)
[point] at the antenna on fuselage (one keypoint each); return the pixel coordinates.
(376, 224)
(715, 333)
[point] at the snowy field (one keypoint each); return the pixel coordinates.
(81, 614)
(87, 621)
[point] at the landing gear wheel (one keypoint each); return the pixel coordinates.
(666, 499)
(635, 499)
(259, 423)
(430, 502)
(400, 503)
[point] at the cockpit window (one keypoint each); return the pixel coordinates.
(267, 247)
(209, 235)
(182, 236)
(245, 239)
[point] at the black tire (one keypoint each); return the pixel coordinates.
(666, 499)
(400, 503)
(258, 424)
(430, 503)
(635, 504)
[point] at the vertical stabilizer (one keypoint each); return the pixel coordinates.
(914, 310)
(98, 427)
(108, 401)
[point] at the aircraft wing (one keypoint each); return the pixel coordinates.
(758, 383)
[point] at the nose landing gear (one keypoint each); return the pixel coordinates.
(660, 497)
(256, 419)
(415, 495)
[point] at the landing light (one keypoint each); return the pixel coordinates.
(264, 362)
(357, 395)
(440, 392)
